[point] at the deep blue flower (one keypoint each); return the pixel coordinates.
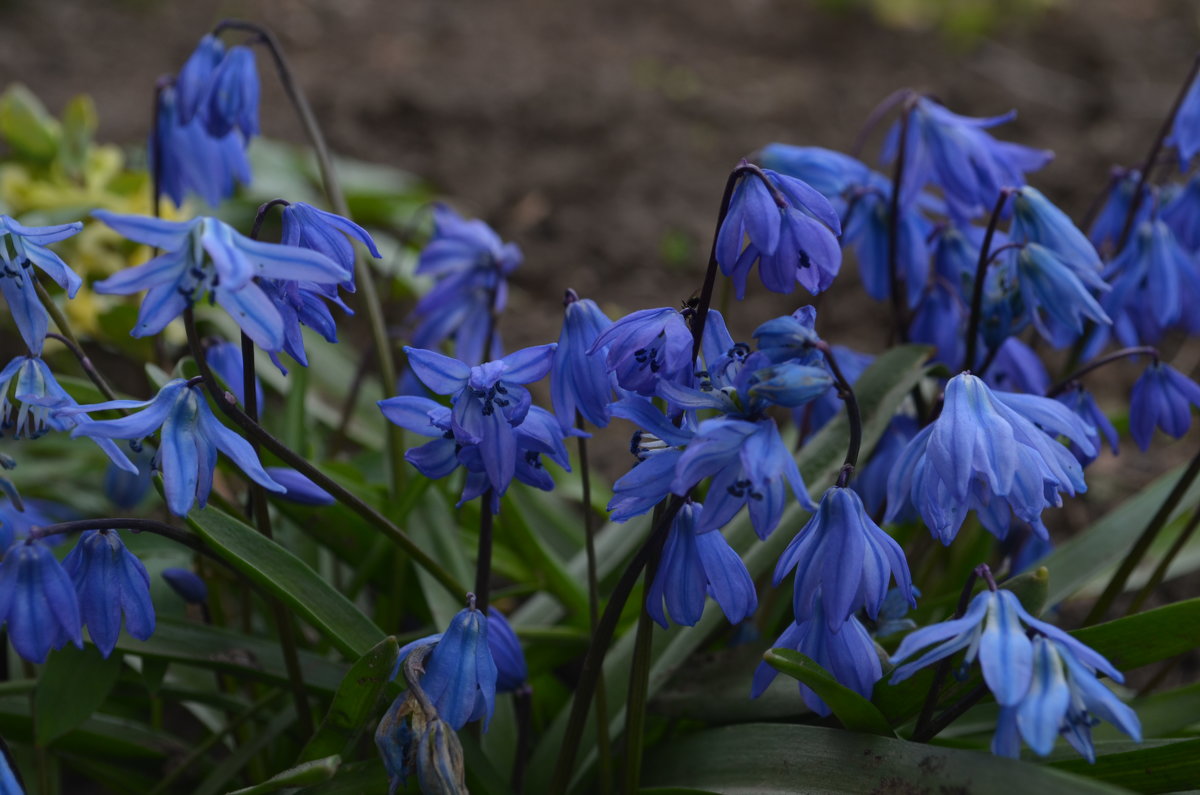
(19, 518)
(195, 78)
(645, 347)
(576, 383)
(1049, 285)
(792, 233)
(1017, 368)
(1182, 214)
(110, 582)
(1153, 282)
(328, 233)
(37, 601)
(992, 452)
(940, 320)
(511, 671)
(955, 153)
(207, 256)
(190, 439)
(231, 100)
(22, 248)
(39, 404)
(870, 481)
(460, 673)
(893, 615)
(187, 584)
(127, 489)
(867, 230)
(847, 653)
(1037, 220)
(830, 172)
(1185, 131)
(1080, 401)
(189, 160)
(815, 415)
(846, 558)
(302, 304)
(1163, 397)
(658, 446)
(696, 565)
(298, 488)
(790, 337)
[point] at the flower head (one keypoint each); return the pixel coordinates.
(1155, 284)
(1163, 397)
(1185, 132)
(645, 347)
(1080, 401)
(657, 445)
(21, 249)
(511, 671)
(328, 233)
(231, 99)
(576, 384)
(190, 160)
(190, 439)
(110, 582)
(37, 601)
(1063, 293)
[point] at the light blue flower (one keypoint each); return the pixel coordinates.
(206, 256)
(21, 249)
(110, 582)
(325, 232)
(190, 439)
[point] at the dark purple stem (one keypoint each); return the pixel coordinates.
(980, 277)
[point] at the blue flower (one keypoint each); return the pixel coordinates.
(110, 581)
(1017, 368)
(695, 565)
(658, 446)
(1110, 220)
(1037, 220)
(460, 673)
(511, 671)
(298, 488)
(328, 233)
(194, 79)
(847, 653)
(893, 615)
(828, 171)
(18, 518)
(207, 256)
(187, 584)
(867, 230)
(190, 439)
(302, 304)
(828, 405)
(37, 601)
(1182, 214)
(870, 481)
(471, 265)
(955, 153)
(645, 347)
(1163, 397)
(1185, 131)
(21, 248)
(231, 100)
(1080, 401)
(846, 558)
(189, 160)
(225, 360)
(790, 337)
(792, 231)
(993, 452)
(576, 384)
(127, 489)
(1048, 284)
(40, 405)
(1153, 281)
(940, 320)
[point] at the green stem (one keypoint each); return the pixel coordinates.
(228, 405)
(639, 686)
(1116, 585)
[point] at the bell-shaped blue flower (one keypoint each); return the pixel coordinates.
(830, 172)
(21, 249)
(790, 337)
(190, 439)
(204, 256)
(1048, 285)
(511, 671)
(848, 653)
(189, 160)
(645, 347)
(993, 452)
(867, 230)
(1017, 368)
(460, 674)
(328, 233)
(696, 565)
(110, 582)
(940, 320)
(845, 557)
(231, 100)
(1162, 398)
(187, 584)
(37, 601)
(1185, 131)
(1155, 285)
(576, 383)
(195, 78)
(658, 446)
(792, 233)
(1037, 220)
(1080, 401)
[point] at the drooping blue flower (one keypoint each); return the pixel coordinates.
(1185, 131)
(19, 518)
(40, 404)
(1037, 220)
(791, 337)
(658, 445)
(302, 304)
(645, 347)
(190, 161)
(940, 320)
(231, 100)
(225, 360)
(195, 78)
(328, 233)
(1106, 230)
(1153, 281)
(841, 554)
(37, 601)
(125, 489)
(792, 231)
(187, 584)
(190, 439)
(576, 383)
(1049, 285)
(21, 249)
(460, 673)
(511, 670)
(1162, 397)
(867, 230)
(1080, 401)
(870, 481)
(1017, 368)
(1181, 213)
(110, 582)
(992, 452)
(847, 653)
(830, 172)
(956, 154)
(298, 488)
(696, 565)
(206, 256)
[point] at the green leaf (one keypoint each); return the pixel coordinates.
(25, 124)
(289, 579)
(78, 124)
(1148, 637)
(1164, 768)
(758, 759)
(1031, 589)
(354, 702)
(73, 685)
(302, 775)
(360, 778)
(101, 735)
(854, 711)
(231, 765)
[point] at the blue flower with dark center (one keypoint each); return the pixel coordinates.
(1163, 397)
(328, 233)
(110, 582)
(992, 452)
(658, 446)
(792, 233)
(646, 347)
(205, 256)
(696, 565)
(576, 383)
(511, 671)
(846, 558)
(189, 160)
(847, 653)
(40, 404)
(21, 249)
(37, 601)
(190, 439)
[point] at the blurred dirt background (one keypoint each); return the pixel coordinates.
(598, 134)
